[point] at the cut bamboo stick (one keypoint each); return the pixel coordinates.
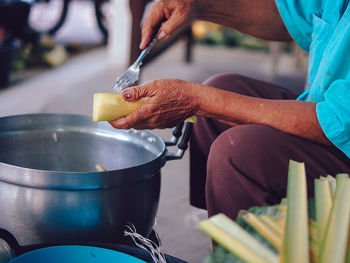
(332, 184)
(313, 251)
(334, 244)
(265, 231)
(241, 235)
(313, 230)
(341, 178)
(347, 260)
(296, 242)
(230, 243)
(281, 222)
(313, 246)
(269, 221)
(323, 203)
(282, 209)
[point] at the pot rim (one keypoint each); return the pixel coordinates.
(89, 180)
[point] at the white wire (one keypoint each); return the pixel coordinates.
(145, 243)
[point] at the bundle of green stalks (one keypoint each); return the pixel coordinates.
(296, 231)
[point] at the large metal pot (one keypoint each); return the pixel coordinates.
(50, 191)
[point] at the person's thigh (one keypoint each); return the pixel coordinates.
(206, 130)
(250, 87)
(248, 166)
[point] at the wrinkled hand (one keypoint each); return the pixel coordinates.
(169, 102)
(174, 12)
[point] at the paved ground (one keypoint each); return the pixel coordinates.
(69, 89)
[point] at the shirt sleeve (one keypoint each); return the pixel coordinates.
(334, 114)
(297, 16)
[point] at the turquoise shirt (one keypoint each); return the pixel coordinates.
(322, 28)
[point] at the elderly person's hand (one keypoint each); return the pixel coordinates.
(172, 101)
(173, 12)
(169, 102)
(257, 18)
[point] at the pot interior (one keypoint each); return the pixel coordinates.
(73, 143)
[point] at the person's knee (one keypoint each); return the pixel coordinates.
(236, 174)
(241, 148)
(238, 168)
(226, 81)
(242, 145)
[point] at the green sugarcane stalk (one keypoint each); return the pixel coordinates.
(231, 244)
(296, 242)
(323, 202)
(240, 234)
(334, 244)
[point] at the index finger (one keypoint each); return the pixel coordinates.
(123, 123)
(129, 121)
(152, 22)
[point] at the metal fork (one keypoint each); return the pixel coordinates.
(131, 75)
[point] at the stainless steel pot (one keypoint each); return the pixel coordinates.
(50, 191)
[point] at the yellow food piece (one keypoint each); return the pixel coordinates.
(100, 168)
(110, 106)
(192, 119)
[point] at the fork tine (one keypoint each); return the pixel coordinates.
(128, 78)
(124, 83)
(120, 81)
(117, 83)
(131, 74)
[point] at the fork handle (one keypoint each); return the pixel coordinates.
(145, 52)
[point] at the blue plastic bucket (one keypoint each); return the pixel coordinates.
(75, 254)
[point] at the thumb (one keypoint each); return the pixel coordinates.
(135, 93)
(177, 18)
(154, 17)
(168, 27)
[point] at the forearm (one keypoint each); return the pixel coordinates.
(259, 18)
(294, 117)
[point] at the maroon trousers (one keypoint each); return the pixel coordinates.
(234, 168)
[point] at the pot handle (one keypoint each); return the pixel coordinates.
(183, 145)
(177, 132)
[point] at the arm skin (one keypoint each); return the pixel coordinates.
(172, 101)
(294, 117)
(258, 18)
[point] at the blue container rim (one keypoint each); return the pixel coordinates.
(75, 254)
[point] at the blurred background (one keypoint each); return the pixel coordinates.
(54, 54)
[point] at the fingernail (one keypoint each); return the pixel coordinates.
(161, 35)
(127, 95)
